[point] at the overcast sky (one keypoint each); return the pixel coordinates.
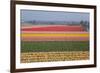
(31, 15)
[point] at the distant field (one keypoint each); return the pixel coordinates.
(49, 46)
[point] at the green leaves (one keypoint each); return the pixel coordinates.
(50, 46)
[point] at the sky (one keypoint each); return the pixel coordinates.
(40, 15)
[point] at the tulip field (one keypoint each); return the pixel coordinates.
(54, 43)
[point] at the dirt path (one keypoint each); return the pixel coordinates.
(53, 56)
